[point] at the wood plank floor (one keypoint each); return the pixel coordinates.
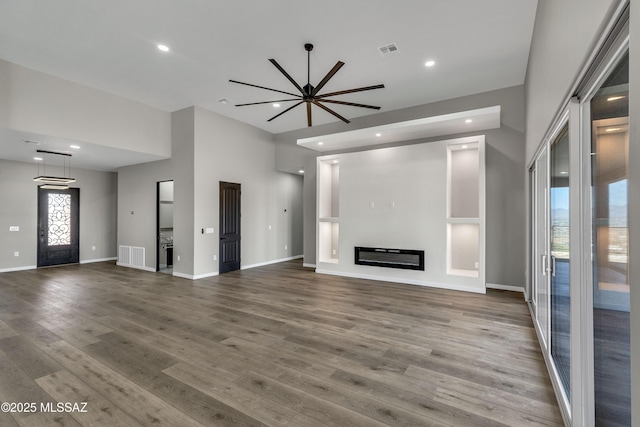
(276, 345)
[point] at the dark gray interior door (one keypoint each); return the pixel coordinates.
(229, 227)
(58, 227)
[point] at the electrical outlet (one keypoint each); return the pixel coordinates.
(178, 258)
(14, 228)
(285, 247)
(16, 253)
(93, 248)
(269, 227)
(333, 252)
(215, 257)
(477, 264)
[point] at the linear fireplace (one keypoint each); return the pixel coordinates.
(392, 258)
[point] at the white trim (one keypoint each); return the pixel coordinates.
(26, 267)
(215, 273)
(308, 265)
(275, 261)
(89, 261)
(511, 288)
(200, 276)
(183, 275)
(153, 270)
(404, 281)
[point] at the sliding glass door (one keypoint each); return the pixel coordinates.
(551, 295)
(579, 264)
(560, 301)
(609, 155)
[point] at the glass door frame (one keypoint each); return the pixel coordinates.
(583, 378)
(577, 113)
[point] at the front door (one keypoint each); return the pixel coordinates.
(58, 227)
(229, 227)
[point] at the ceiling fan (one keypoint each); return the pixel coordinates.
(309, 94)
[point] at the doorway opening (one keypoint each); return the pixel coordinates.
(164, 213)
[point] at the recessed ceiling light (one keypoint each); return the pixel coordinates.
(378, 134)
(612, 129)
(465, 146)
(301, 171)
(163, 48)
(615, 98)
(564, 173)
(468, 121)
(75, 147)
(430, 63)
(335, 161)
(320, 143)
(38, 159)
(276, 105)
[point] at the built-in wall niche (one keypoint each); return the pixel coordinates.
(466, 207)
(328, 232)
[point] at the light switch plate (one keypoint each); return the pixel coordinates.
(14, 228)
(209, 230)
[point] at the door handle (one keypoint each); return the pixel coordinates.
(544, 265)
(553, 266)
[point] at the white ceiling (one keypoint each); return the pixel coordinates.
(111, 45)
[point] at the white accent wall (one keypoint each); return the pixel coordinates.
(505, 178)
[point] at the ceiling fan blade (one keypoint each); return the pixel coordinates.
(326, 78)
(329, 110)
(353, 104)
(262, 87)
(309, 114)
(268, 102)
(273, 61)
(279, 114)
(342, 92)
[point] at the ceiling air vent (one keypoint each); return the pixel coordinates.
(388, 49)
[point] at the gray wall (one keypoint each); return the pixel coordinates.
(137, 205)
(505, 165)
(19, 204)
(209, 148)
(40, 103)
(564, 36)
(227, 150)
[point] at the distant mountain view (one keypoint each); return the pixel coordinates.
(617, 216)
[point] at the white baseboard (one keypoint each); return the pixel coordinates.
(275, 261)
(89, 261)
(203, 276)
(26, 267)
(505, 287)
(153, 270)
(308, 265)
(404, 281)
